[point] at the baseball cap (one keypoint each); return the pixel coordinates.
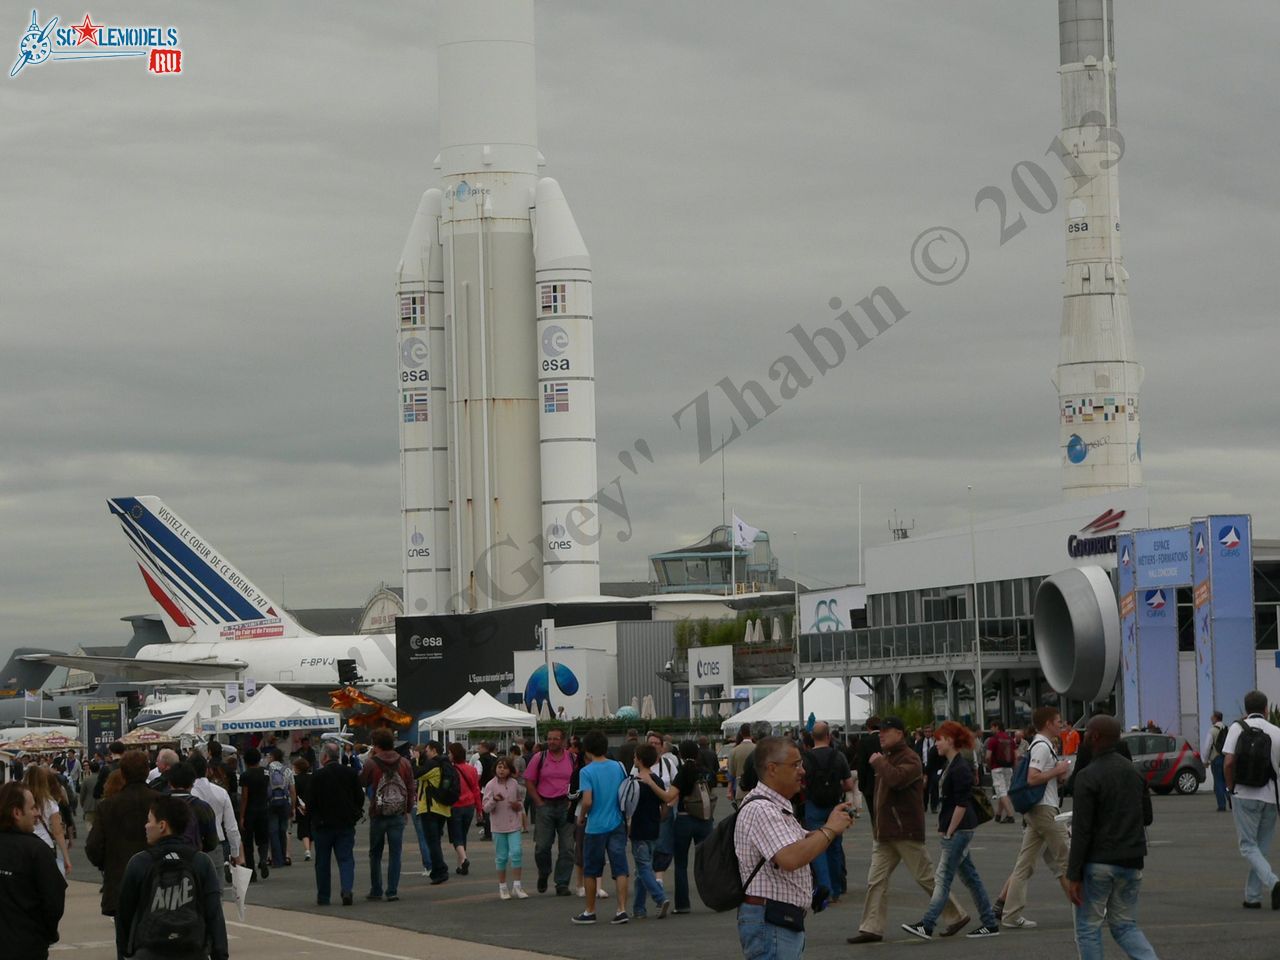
(893, 723)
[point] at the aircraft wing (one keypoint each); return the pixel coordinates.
(135, 670)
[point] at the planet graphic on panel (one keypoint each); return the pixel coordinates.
(537, 690)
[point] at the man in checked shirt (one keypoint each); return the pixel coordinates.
(774, 853)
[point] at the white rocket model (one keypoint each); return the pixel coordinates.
(498, 451)
(1098, 377)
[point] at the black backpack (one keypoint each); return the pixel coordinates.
(1253, 757)
(170, 917)
(1220, 740)
(822, 788)
(450, 789)
(715, 865)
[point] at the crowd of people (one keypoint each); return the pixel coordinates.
(165, 831)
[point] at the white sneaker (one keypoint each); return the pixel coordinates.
(582, 891)
(518, 892)
(426, 873)
(602, 894)
(503, 892)
(1022, 923)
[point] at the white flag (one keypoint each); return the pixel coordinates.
(744, 535)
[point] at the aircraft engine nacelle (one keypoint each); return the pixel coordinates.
(1077, 628)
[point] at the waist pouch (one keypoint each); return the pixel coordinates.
(785, 915)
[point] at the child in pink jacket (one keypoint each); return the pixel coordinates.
(503, 799)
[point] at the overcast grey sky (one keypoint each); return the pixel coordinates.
(197, 274)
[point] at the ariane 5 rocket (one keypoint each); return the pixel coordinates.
(1098, 376)
(496, 375)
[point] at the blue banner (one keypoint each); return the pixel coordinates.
(1235, 665)
(1128, 631)
(1202, 610)
(1162, 557)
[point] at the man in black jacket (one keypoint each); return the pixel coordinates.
(32, 891)
(868, 744)
(1108, 846)
(337, 803)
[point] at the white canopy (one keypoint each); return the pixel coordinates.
(462, 701)
(208, 704)
(483, 712)
(823, 698)
(269, 709)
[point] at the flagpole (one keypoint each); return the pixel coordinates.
(733, 559)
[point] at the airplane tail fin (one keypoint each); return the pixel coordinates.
(199, 592)
(18, 676)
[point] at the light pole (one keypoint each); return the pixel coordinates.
(795, 629)
(977, 635)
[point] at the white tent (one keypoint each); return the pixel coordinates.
(483, 712)
(429, 722)
(823, 698)
(208, 704)
(271, 710)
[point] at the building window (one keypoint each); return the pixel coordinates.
(554, 298)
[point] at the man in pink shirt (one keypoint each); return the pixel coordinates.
(547, 779)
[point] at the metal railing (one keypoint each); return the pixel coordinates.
(913, 643)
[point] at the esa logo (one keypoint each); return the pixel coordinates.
(423, 643)
(555, 341)
(551, 365)
(415, 376)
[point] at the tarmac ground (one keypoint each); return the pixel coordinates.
(1190, 908)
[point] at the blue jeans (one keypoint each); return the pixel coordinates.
(828, 868)
(434, 826)
(764, 941)
(1219, 781)
(278, 830)
(341, 842)
(423, 850)
(1110, 896)
(1255, 825)
(687, 830)
(388, 830)
(646, 880)
(954, 859)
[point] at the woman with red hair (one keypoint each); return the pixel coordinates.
(956, 822)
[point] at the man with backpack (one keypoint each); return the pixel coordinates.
(282, 801)
(1041, 770)
(390, 777)
(549, 778)
(1252, 759)
(827, 782)
(1214, 740)
(438, 790)
(1002, 754)
(170, 898)
(202, 827)
(774, 853)
(605, 830)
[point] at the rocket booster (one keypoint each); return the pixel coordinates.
(512, 475)
(1098, 377)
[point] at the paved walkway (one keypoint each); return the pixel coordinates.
(269, 933)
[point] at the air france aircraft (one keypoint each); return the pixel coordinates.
(221, 625)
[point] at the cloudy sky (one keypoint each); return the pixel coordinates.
(197, 274)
